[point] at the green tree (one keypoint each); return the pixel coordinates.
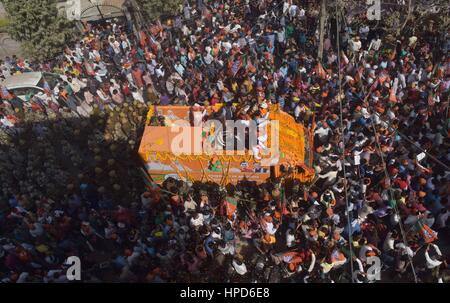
(37, 24)
(154, 9)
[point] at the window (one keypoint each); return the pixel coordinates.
(52, 80)
(23, 91)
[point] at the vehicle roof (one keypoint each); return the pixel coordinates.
(22, 80)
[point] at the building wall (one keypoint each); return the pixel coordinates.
(8, 46)
(85, 9)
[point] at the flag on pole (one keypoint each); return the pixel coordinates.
(148, 182)
(427, 233)
(231, 204)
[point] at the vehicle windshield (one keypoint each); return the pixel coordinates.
(52, 80)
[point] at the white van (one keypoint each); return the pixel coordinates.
(30, 83)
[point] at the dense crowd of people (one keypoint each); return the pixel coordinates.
(377, 104)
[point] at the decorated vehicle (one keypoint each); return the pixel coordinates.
(173, 144)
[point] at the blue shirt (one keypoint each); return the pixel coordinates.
(208, 249)
(284, 70)
(13, 202)
(120, 261)
(228, 235)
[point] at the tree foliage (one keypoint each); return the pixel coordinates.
(154, 9)
(37, 24)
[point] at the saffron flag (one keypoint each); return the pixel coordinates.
(427, 233)
(142, 39)
(231, 206)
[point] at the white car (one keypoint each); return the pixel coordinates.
(30, 84)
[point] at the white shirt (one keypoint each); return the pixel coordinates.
(138, 96)
(227, 46)
(388, 242)
(113, 87)
(281, 36)
(355, 46)
(220, 85)
(116, 47)
(6, 122)
(322, 132)
(313, 262)
(301, 13)
(297, 111)
(364, 31)
(285, 7)
(363, 251)
(208, 59)
(431, 262)
(228, 249)
(293, 10)
(180, 69)
(102, 95)
(197, 222)
(240, 269)
(159, 72)
(290, 239)
(189, 205)
(375, 44)
(125, 44)
(185, 30)
(269, 228)
(198, 117)
(405, 250)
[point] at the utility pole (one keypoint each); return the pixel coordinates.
(131, 14)
(323, 18)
